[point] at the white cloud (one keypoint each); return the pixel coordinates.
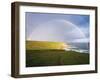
(84, 40)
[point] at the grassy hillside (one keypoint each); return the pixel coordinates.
(30, 45)
(40, 53)
(55, 57)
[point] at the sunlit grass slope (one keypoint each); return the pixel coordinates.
(30, 45)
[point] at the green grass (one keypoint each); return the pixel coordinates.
(53, 57)
(37, 45)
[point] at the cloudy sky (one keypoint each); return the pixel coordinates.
(57, 27)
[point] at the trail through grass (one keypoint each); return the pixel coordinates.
(55, 57)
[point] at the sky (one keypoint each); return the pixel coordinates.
(57, 27)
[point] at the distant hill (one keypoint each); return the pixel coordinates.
(37, 45)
